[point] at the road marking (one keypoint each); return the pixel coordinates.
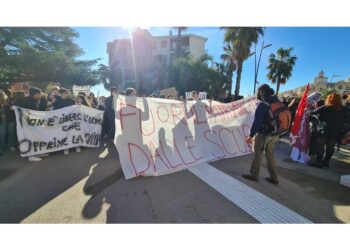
(256, 204)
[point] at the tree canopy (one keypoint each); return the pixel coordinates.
(44, 54)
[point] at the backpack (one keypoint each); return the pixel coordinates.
(280, 118)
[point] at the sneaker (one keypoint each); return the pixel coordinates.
(33, 158)
(269, 179)
(12, 148)
(249, 177)
(66, 151)
(78, 149)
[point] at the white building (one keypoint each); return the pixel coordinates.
(136, 59)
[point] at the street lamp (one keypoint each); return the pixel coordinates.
(257, 66)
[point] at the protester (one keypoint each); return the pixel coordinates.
(102, 106)
(130, 92)
(64, 99)
(43, 102)
(19, 99)
(170, 97)
(53, 96)
(93, 99)
(313, 127)
(3, 100)
(109, 113)
(82, 100)
(10, 123)
(162, 96)
(33, 102)
(332, 117)
(261, 138)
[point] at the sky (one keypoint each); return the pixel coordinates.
(316, 48)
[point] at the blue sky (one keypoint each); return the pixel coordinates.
(316, 48)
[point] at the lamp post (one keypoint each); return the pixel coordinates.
(257, 66)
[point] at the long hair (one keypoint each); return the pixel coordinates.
(334, 100)
(84, 100)
(3, 98)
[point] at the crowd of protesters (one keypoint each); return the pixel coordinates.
(329, 118)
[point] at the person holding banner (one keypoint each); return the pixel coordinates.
(109, 113)
(32, 102)
(64, 99)
(260, 136)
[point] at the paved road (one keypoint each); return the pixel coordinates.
(89, 187)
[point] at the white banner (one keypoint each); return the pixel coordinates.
(159, 136)
(85, 89)
(48, 131)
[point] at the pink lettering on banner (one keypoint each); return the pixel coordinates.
(177, 116)
(183, 161)
(226, 147)
(167, 112)
(217, 144)
(167, 159)
(190, 147)
(155, 156)
(122, 116)
(218, 131)
(146, 158)
(153, 124)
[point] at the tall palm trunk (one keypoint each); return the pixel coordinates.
(238, 79)
(229, 82)
(278, 85)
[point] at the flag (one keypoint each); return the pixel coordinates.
(300, 112)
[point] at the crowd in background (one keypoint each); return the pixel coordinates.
(329, 118)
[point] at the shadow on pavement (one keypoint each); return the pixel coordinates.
(37, 183)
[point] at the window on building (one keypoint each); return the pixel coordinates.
(185, 41)
(154, 45)
(164, 44)
(340, 87)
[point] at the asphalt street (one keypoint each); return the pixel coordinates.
(89, 187)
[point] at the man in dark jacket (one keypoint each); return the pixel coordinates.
(63, 100)
(33, 100)
(109, 113)
(261, 138)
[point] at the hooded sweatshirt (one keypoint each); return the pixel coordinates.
(261, 117)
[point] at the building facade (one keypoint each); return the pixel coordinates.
(139, 61)
(321, 83)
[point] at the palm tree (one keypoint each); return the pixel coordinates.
(280, 67)
(230, 65)
(241, 40)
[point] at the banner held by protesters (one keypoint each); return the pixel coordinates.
(159, 136)
(49, 131)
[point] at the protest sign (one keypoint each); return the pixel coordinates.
(48, 131)
(201, 95)
(85, 89)
(159, 136)
(169, 91)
